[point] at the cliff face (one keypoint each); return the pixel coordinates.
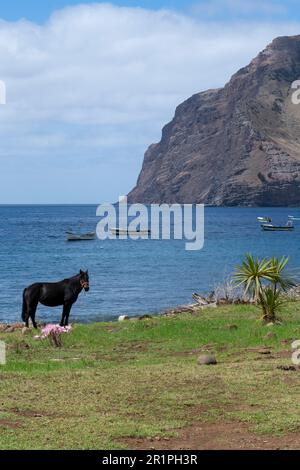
(238, 145)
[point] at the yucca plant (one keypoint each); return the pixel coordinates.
(280, 278)
(265, 279)
(271, 302)
(252, 273)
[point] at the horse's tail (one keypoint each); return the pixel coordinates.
(24, 307)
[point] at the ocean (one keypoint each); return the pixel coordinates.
(126, 276)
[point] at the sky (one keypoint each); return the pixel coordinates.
(90, 85)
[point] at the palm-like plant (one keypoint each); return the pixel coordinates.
(252, 273)
(266, 280)
(271, 302)
(280, 278)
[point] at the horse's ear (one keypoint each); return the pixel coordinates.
(87, 272)
(80, 272)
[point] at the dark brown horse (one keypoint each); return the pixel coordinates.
(53, 294)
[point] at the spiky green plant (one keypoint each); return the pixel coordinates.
(280, 278)
(271, 301)
(265, 279)
(252, 273)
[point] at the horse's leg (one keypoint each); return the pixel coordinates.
(26, 315)
(62, 317)
(32, 311)
(30, 303)
(27, 319)
(65, 314)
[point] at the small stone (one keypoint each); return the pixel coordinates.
(207, 359)
(270, 324)
(123, 317)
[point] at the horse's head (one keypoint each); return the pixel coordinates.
(84, 280)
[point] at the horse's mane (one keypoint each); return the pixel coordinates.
(72, 278)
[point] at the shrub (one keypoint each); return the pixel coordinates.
(266, 280)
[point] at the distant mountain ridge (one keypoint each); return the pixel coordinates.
(237, 145)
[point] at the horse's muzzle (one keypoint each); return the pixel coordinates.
(85, 285)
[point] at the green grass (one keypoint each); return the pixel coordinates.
(141, 378)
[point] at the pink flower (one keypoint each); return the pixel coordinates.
(54, 330)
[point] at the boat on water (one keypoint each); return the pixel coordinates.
(292, 217)
(73, 237)
(125, 231)
(264, 219)
(289, 227)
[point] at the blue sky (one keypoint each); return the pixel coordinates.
(40, 11)
(227, 10)
(90, 87)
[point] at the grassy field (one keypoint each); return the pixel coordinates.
(138, 383)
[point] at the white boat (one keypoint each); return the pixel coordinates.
(289, 227)
(73, 237)
(292, 217)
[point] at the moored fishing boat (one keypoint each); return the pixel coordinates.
(264, 219)
(278, 228)
(120, 231)
(73, 237)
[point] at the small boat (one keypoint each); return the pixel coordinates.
(73, 237)
(126, 231)
(264, 219)
(292, 217)
(278, 228)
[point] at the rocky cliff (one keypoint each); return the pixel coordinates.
(237, 145)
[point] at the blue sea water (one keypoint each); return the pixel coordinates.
(127, 276)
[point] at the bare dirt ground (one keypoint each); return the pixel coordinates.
(216, 436)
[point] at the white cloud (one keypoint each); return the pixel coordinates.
(94, 85)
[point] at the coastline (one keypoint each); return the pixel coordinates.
(212, 301)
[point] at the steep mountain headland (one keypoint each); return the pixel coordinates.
(237, 145)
